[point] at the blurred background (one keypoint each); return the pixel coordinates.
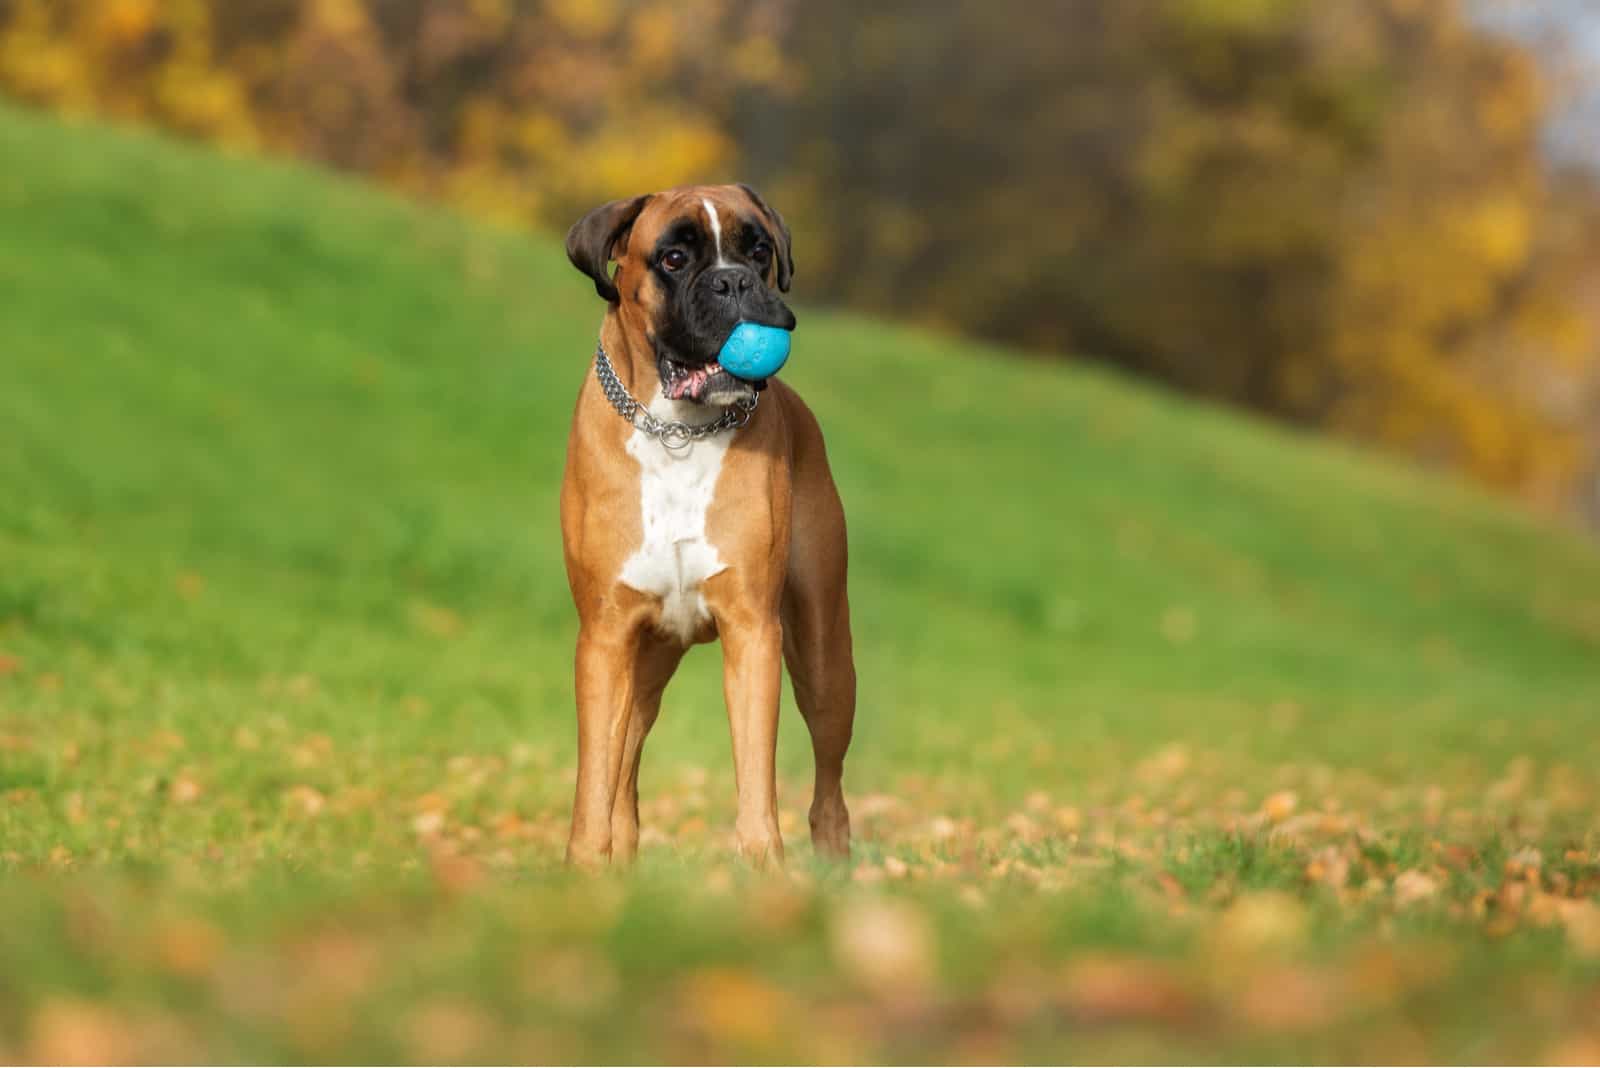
(1185, 737)
(1378, 219)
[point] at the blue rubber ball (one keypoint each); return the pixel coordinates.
(754, 351)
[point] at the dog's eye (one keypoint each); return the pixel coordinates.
(762, 254)
(674, 259)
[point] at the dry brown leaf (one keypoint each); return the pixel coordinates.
(304, 800)
(1330, 867)
(1280, 806)
(446, 1031)
(1574, 1051)
(1288, 1000)
(188, 947)
(1582, 922)
(1524, 864)
(80, 1032)
(871, 806)
(185, 790)
(343, 965)
(1102, 990)
(576, 981)
(885, 946)
(1165, 764)
(1023, 826)
(1265, 921)
(455, 874)
(737, 1007)
(866, 872)
(1411, 887)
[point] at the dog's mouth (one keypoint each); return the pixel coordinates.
(704, 383)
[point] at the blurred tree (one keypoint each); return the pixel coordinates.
(1334, 212)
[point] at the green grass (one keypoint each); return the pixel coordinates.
(1180, 736)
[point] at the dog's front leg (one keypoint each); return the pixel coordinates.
(752, 654)
(605, 705)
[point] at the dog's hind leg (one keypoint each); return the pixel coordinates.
(658, 659)
(817, 648)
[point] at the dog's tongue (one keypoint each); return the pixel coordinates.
(691, 385)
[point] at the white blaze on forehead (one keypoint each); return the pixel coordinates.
(716, 229)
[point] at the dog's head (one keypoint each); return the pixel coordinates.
(692, 263)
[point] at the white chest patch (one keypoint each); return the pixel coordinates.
(675, 489)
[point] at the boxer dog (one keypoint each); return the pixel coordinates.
(697, 506)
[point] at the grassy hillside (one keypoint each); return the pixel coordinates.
(1179, 737)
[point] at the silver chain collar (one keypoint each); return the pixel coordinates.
(672, 434)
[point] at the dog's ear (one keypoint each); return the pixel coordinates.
(593, 239)
(783, 253)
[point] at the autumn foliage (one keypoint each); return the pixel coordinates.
(1336, 213)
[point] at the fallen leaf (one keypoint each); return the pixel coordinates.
(184, 790)
(1166, 764)
(1287, 1000)
(1576, 1051)
(304, 800)
(1524, 863)
(1582, 922)
(885, 946)
(576, 981)
(1280, 806)
(1411, 887)
(1330, 867)
(446, 1031)
(1103, 990)
(188, 947)
(456, 875)
(1269, 920)
(79, 1032)
(737, 1007)
(866, 872)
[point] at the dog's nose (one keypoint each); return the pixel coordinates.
(731, 281)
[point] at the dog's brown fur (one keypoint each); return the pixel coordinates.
(777, 522)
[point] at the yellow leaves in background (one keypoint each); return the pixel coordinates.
(127, 21)
(648, 150)
(336, 18)
(530, 113)
(1233, 14)
(1335, 213)
(584, 19)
